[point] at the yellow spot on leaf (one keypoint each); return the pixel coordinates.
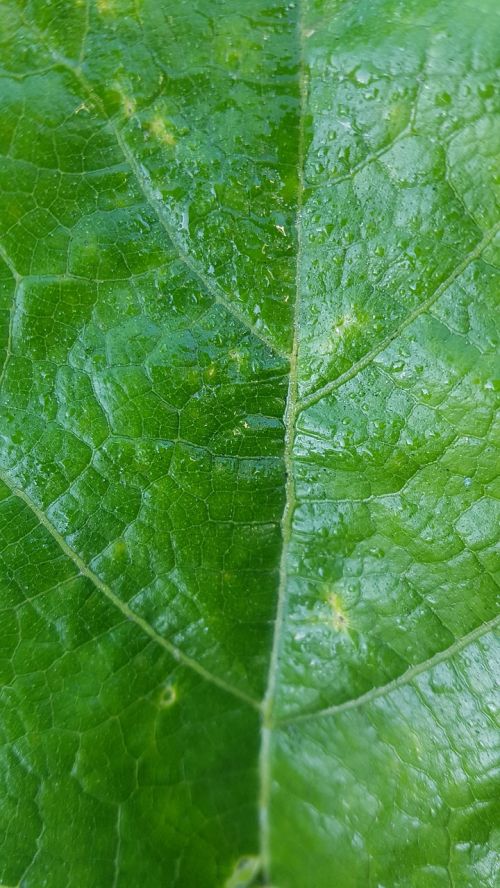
(128, 105)
(244, 873)
(119, 549)
(168, 697)
(158, 129)
(106, 7)
(339, 617)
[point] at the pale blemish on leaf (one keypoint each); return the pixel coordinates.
(339, 617)
(244, 873)
(106, 7)
(168, 696)
(211, 371)
(350, 319)
(129, 105)
(159, 130)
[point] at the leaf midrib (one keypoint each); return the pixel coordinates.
(265, 768)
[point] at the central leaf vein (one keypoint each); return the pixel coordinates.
(290, 496)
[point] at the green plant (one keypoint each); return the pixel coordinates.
(249, 500)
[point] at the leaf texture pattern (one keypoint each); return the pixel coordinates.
(249, 469)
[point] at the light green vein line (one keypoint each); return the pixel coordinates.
(265, 766)
(360, 365)
(18, 289)
(402, 680)
(127, 612)
(157, 204)
(15, 274)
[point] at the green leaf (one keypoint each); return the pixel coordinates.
(248, 478)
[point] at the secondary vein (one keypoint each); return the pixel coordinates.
(155, 201)
(127, 612)
(401, 680)
(363, 362)
(18, 285)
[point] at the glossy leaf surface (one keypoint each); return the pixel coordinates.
(249, 467)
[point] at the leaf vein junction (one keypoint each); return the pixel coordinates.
(147, 188)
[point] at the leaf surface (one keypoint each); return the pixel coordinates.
(248, 482)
